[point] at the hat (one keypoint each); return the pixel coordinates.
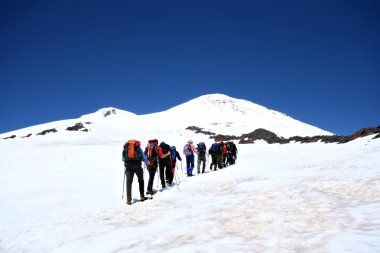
(190, 141)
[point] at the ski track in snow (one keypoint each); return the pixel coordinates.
(277, 198)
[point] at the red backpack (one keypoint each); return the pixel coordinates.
(152, 151)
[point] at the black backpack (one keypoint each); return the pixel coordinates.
(201, 148)
(229, 146)
(165, 149)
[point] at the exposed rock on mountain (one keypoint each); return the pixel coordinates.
(365, 132)
(10, 137)
(219, 137)
(109, 112)
(77, 127)
(53, 130)
(198, 130)
(260, 134)
(270, 137)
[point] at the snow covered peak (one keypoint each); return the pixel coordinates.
(216, 113)
(214, 103)
(108, 112)
(215, 99)
(224, 103)
(222, 114)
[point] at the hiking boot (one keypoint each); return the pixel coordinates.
(142, 198)
(129, 202)
(149, 192)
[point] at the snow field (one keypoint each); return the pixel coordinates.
(60, 195)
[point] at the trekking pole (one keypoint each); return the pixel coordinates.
(208, 163)
(182, 179)
(183, 176)
(175, 178)
(182, 172)
(158, 174)
(176, 167)
(122, 196)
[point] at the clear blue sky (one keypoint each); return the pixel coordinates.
(317, 61)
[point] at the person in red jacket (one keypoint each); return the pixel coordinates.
(225, 153)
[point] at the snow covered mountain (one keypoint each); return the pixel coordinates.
(60, 191)
(216, 113)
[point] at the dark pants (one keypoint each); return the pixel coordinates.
(215, 162)
(173, 166)
(152, 169)
(224, 161)
(231, 159)
(131, 168)
(201, 159)
(166, 172)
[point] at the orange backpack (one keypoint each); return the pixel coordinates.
(132, 150)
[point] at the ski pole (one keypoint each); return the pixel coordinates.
(182, 172)
(122, 196)
(179, 179)
(175, 178)
(183, 176)
(158, 174)
(176, 167)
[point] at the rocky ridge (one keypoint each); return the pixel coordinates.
(271, 138)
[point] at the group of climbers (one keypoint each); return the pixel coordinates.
(222, 154)
(164, 157)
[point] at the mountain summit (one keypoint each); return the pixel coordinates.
(216, 113)
(226, 115)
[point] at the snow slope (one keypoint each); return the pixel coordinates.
(62, 193)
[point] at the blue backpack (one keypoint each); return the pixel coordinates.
(214, 148)
(174, 152)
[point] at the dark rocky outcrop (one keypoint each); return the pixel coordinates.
(109, 112)
(26, 136)
(77, 127)
(10, 137)
(219, 137)
(270, 137)
(199, 130)
(365, 132)
(260, 134)
(53, 130)
(322, 138)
